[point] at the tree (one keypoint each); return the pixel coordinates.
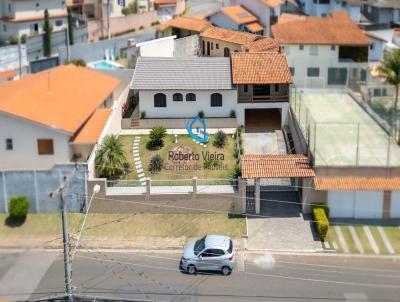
(47, 34)
(70, 27)
(389, 70)
(110, 157)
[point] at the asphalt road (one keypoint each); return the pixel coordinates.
(156, 277)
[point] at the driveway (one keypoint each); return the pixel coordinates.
(282, 226)
(271, 142)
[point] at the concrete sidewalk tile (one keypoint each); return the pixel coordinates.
(136, 158)
(342, 241)
(141, 175)
(371, 239)
(139, 170)
(356, 239)
(386, 240)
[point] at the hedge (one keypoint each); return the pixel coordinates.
(321, 222)
(323, 206)
(18, 207)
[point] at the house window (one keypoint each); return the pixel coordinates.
(226, 52)
(9, 8)
(246, 88)
(4, 27)
(9, 144)
(313, 50)
(337, 76)
(177, 97)
(37, 4)
(301, 47)
(216, 100)
(204, 48)
(190, 97)
(160, 100)
(313, 72)
(216, 45)
(45, 146)
(291, 71)
(59, 22)
(333, 47)
(372, 46)
(276, 87)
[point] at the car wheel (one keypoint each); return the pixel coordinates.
(191, 269)
(226, 271)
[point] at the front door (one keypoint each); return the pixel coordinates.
(208, 48)
(250, 200)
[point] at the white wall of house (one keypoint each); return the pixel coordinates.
(30, 9)
(395, 205)
(315, 56)
(322, 9)
(24, 135)
(376, 49)
(221, 20)
(163, 47)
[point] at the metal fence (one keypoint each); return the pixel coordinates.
(173, 182)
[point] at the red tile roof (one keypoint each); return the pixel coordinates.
(8, 74)
(260, 68)
(337, 29)
(238, 14)
(92, 129)
(272, 3)
(264, 44)
(275, 166)
(357, 183)
(229, 35)
(254, 27)
(188, 23)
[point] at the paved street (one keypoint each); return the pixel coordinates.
(155, 276)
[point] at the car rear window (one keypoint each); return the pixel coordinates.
(230, 247)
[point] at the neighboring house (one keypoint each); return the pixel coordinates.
(182, 26)
(236, 18)
(14, 57)
(323, 51)
(53, 117)
(25, 17)
(220, 42)
(167, 9)
(253, 85)
(8, 75)
(382, 11)
(381, 41)
(267, 11)
(322, 8)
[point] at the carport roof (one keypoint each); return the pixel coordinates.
(275, 166)
(357, 183)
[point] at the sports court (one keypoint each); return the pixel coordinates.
(340, 132)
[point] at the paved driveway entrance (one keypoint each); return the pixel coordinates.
(282, 226)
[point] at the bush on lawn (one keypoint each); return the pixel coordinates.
(321, 222)
(201, 114)
(157, 136)
(18, 208)
(211, 163)
(323, 206)
(156, 164)
(236, 172)
(220, 139)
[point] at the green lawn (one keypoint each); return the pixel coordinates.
(170, 170)
(347, 236)
(394, 236)
(378, 240)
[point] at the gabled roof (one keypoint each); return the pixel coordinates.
(337, 29)
(238, 14)
(260, 68)
(254, 27)
(61, 98)
(264, 44)
(199, 73)
(92, 129)
(188, 23)
(164, 2)
(274, 166)
(357, 183)
(229, 35)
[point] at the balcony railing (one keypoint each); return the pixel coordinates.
(263, 99)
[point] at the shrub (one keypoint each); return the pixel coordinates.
(232, 114)
(236, 153)
(211, 163)
(236, 172)
(156, 164)
(323, 206)
(157, 135)
(23, 38)
(220, 139)
(155, 23)
(321, 222)
(18, 208)
(201, 114)
(76, 62)
(141, 27)
(12, 40)
(143, 114)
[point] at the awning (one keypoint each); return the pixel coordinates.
(275, 166)
(357, 183)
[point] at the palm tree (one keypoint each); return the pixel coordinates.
(110, 157)
(389, 70)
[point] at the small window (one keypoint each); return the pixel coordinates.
(45, 146)
(313, 72)
(216, 100)
(276, 87)
(212, 46)
(333, 47)
(4, 27)
(372, 46)
(292, 71)
(246, 88)
(190, 97)
(226, 52)
(9, 8)
(314, 50)
(218, 252)
(160, 100)
(177, 97)
(301, 47)
(208, 253)
(216, 45)
(37, 4)
(9, 144)
(59, 22)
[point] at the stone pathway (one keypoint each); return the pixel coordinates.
(137, 160)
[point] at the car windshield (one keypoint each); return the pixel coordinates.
(199, 245)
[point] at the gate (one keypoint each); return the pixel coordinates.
(250, 200)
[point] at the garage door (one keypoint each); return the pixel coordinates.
(341, 204)
(269, 119)
(395, 205)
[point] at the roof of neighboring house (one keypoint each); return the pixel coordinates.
(238, 14)
(357, 183)
(384, 3)
(92, 129)
(254, 27)
(272, 3)
(375, 36)
(260, 68)
(262, 45)
(337, 29)
(229, 35)
(199, 73)
(164, 2)
(188, 23)
(8, 74)
(61, 98)
(29, 19)
(263, 166)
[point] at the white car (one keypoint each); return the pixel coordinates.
(210, 253)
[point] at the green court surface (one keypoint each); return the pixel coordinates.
(341, 133)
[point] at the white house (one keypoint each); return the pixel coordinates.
(323, 51)
(382, 11)
(322, 8)
(253, 85)
(25, 17)
(53, 117)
